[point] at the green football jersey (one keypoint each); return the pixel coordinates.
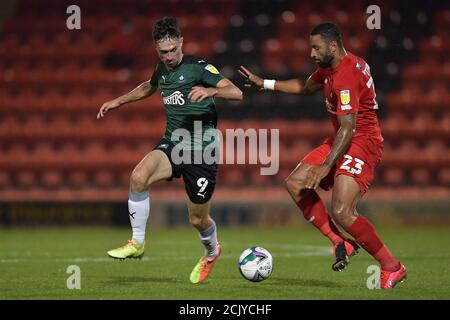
(198, 119)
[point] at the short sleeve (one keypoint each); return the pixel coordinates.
(318, 76)
(209, 75)
(154, 78)
(347, 94)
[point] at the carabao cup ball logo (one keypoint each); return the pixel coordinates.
(255, 264)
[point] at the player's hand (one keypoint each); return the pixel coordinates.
(199, 94)
(315, 174)
(106, 107)
(251, 79)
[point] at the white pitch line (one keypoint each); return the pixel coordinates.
(319, 251)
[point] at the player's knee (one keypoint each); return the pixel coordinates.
(342, 214)
(293, 186)
(196, 221)
(138, 180)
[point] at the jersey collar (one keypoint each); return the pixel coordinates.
(341, 64)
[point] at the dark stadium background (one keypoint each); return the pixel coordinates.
(59, 165)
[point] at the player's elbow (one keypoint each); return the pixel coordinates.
(235, 93)
(348, 131)
(301, 91)
(239, 94)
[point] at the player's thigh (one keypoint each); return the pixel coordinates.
(155, 166)
(345, 197)
(314, 158)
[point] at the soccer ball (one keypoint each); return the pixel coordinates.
(255, 264)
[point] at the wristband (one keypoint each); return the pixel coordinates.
(269, 84)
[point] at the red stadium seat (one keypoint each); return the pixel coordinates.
(5, 180)
(104, 178)
(421, 176)
(232, 175)
(393, 176)
(78, 179)
(52, 179)
(444, 176)
(26, 179)
(257, 179)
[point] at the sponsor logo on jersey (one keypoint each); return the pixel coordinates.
(346, 107)
(175, 98)
(181, 78)
(345, 96)
(212, 69)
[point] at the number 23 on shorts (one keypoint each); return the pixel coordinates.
(352, 165)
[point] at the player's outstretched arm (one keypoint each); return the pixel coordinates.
(142, 91)
(224, 89)
(295, 86)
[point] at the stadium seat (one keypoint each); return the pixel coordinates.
(444, 176)
(421, 176)
(394, 176)
(78, 179)
(5, 179)
(52, 179)
(25, 179)
(104, 178)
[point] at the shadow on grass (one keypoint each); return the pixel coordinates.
(304, 283)
(291, 282)
(129, 280)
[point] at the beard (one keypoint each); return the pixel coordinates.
(326, 62)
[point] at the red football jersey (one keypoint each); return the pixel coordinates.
(347, 89)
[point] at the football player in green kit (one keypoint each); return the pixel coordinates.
(188, 86)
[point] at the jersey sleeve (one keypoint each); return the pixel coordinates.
(154, 78)
(318, 76)
(347, 93)
(209, 76)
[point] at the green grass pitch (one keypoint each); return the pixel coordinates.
(33, 265)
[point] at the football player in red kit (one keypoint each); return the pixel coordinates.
(346, 160)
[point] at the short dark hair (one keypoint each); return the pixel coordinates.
(166, 27)
(329, 32)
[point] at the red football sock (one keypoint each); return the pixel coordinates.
(364, 233)
(315, 212)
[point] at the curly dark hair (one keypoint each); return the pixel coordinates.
(329, 32)
(166, 27)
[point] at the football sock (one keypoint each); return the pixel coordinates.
(209, 239)
(364, 233)
(139, 211)
(315, 212)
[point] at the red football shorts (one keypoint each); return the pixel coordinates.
(359, 162)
